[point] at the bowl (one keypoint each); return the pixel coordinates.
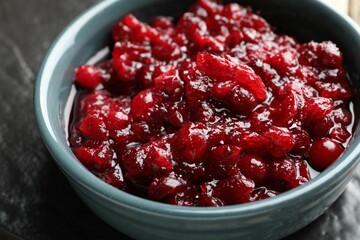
(144, 219)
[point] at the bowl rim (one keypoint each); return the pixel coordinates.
(67, 161)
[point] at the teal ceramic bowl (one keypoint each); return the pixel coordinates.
(143, 219)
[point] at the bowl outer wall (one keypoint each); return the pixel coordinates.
(79, 41)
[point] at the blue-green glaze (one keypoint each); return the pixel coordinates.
(143, 219)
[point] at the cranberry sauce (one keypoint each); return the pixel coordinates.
(212, 109)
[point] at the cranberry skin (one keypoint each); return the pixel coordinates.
(234, 38)
(95, 158)
(276, 141)
(302, 141)
(317, 108)
(117, 120)
(221, 90)
(143, 163)
(114, 177)
(160, 188)
(302, 173)
(323, 152)
(192, 142)
(88, 76)
(120, 32)
(241, 101)
(170, 83)
(206, 200)
(260, 119)
(163, 24)
(94, 128)
(141, 131)
(133, 162)
(85, 156)
(158, 161)
(128, 60)
(285, 111)
(147, 106)
(261, 193)
(166, 52)
(211, 7)
(178, 114)
(281, 173)
(336, 91)
(324, 55)
(197, 91)
(340, 134)
(320, 128)
(253, 167)
(139, 32)
(342, 116)
(92, 102)
(193, 171)
(206, 197)
(284, 63)
(235, 189)
(223, 160)
(222, 70)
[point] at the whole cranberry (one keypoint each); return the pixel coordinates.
(147, 105)
(241, 101)
(88, 76)
(323, 152)
(253, 167)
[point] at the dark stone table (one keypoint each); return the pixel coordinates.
(36, 201)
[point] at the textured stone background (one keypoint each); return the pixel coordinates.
(36, 202)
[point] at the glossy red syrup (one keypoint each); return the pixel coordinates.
(210, 110)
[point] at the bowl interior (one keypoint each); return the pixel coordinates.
(306, 20)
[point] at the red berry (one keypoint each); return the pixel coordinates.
(282, 172)
(160, 188)
(222, 69)
(221, 90)
(285, 111)
(88, 76)
(275, 141)
(323, 152)
(147, 106)
(223, 160)
(117, 120)
(340, 134)
(158, 161)
(191, 142)
(241, 101)
(302, 141)
(113, 177)
(253, 167)
(235, 189)
(185, 197)
(261, 193)
(178, 114)
(320, 127)
(99, 158)
(284, 63)
(317, 108)
(170, 83)
(324, 54)
(94, 128)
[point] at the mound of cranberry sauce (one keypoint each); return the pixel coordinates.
(212, 109)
